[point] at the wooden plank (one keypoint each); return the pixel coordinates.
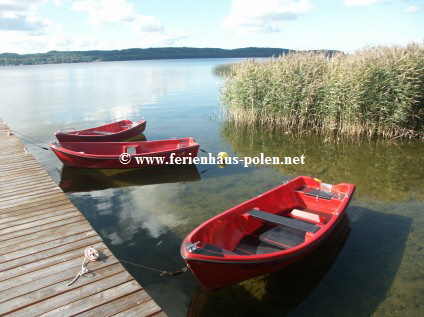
(49, 262)
(26, 186)
(27, 162)
(69, 266)
(17, 153)
(25, 196)
(17, 160)
(37, 223)
(16, 148)
(53, 233)
(16, 157)
(16, 222)
(81, 305)
(118, 305)
(31, 212)
(48, 253)
(18, 200)
(64, 232)
(147, 308)
(39, 230)
(32, 293)
(21, 253)
(22, 183)
(34, 203)
(13, 181)
(27, 190)
(21, 171)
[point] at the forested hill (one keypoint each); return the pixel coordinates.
(55, 57)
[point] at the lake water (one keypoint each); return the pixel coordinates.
(375, 268)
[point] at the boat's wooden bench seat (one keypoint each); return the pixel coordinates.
(102, 132)
(283, 221)
(316, 192)
(209, 249)
(283, 238)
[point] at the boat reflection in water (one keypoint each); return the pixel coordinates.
(275, 294)
(84, 180)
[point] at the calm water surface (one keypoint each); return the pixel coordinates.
(372, 266)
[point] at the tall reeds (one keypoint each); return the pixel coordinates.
(376, 92)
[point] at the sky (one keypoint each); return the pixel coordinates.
(37, 26)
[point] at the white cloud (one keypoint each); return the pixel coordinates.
(252, 16)
(412, 9)
(352, 3)
(21, 28)
(101, 12)
(20, 5)
(105, 11)
(25, 42)
(20, 15)
(146, 24)
(21, 22)
(148, 28)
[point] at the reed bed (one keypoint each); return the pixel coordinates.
(373, 93)
(222, 70)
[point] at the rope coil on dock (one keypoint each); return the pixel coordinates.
(91, 254)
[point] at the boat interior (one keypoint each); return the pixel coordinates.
(107, 129)
(116, 148)
(276, 221)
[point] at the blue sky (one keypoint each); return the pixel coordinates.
(28, 26)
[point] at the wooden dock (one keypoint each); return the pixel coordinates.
(42, 241)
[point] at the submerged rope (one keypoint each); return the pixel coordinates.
(163, 272)
(91, 255)
(30, 138)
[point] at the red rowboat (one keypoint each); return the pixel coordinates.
(266, 233)
(126, 154)
(112, 132)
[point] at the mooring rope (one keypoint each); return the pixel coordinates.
(30, 138)
(163, 272)
(91, 254)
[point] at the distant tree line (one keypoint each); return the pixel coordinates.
(57, 57)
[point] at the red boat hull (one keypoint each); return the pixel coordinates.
(113, 132)
(108, 155)
(217, 255)
(218, 275)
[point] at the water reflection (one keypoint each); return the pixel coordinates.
(85, 180)
(361, 279)
(382, 170)
(139, 224)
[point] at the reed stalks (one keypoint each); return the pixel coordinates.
(373, 93)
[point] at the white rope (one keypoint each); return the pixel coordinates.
(160, 271)
(91, 255)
